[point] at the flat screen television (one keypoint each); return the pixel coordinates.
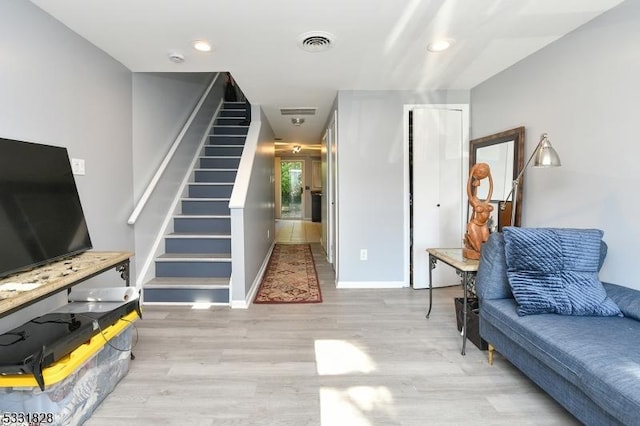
(41, 218)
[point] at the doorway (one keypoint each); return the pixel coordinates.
(291, 189)
(436, 148)
(329, 201)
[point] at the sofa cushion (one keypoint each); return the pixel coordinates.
(597, 354)
(603, 254)
(556, 271)
(491, 278)
(626, 298)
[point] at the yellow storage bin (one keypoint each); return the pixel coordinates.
(75, 385)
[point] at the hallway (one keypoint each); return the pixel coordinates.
(298, 231)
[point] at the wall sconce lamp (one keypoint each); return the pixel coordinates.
(543, 156)
(297, 149)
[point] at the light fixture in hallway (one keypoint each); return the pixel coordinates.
(297, 121)
(297, 149)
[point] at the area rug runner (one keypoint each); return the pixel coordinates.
(290, 276)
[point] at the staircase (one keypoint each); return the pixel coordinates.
(196, 265)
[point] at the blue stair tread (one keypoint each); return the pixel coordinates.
(199, 235)
(194, 257)
(204, 199)
(221, 156)
(225, 145)
(177, 282)
(202, 216)
(212, 183)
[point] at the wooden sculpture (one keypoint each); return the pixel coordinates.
(477, 229)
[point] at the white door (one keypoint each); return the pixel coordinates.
(437, 191)
(332, 253)
(324, 215)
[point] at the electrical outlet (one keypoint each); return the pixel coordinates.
(363, 254)
(77, 166)
(268, 233)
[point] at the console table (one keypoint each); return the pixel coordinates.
(25, 288)
(465, 268)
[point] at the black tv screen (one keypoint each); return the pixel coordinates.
(41, 218)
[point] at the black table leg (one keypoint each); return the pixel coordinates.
(465, 283)
(432, 265)
(123, 268)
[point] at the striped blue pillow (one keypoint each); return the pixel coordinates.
(553, 270)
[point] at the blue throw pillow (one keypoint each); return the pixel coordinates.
(491, 279)
(556, 271)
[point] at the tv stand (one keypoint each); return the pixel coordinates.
(22, 289)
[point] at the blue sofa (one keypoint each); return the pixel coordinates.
(589, 364)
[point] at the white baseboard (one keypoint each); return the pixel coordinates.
(179, 304)
(371, 284)
(239, 304)
(244, 304)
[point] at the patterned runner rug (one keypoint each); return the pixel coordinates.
(290, 276)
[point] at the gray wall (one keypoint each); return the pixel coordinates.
(582, 90)
(161, 105)
(252, 208)
(58, 89)
(371, 180)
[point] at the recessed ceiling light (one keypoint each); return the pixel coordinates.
(202, 46)
(439, 45)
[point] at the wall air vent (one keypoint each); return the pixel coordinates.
(315, 41)
(298, 111)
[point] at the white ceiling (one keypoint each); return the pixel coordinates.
(379, 44)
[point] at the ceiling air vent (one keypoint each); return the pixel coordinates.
(298, 111)
(316, 41)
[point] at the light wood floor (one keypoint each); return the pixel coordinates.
(362, 357)
(298, 231)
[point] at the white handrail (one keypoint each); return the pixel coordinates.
(162, 230)
(243, 176)
(165, 162)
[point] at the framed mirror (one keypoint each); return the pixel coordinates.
(504, 153)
